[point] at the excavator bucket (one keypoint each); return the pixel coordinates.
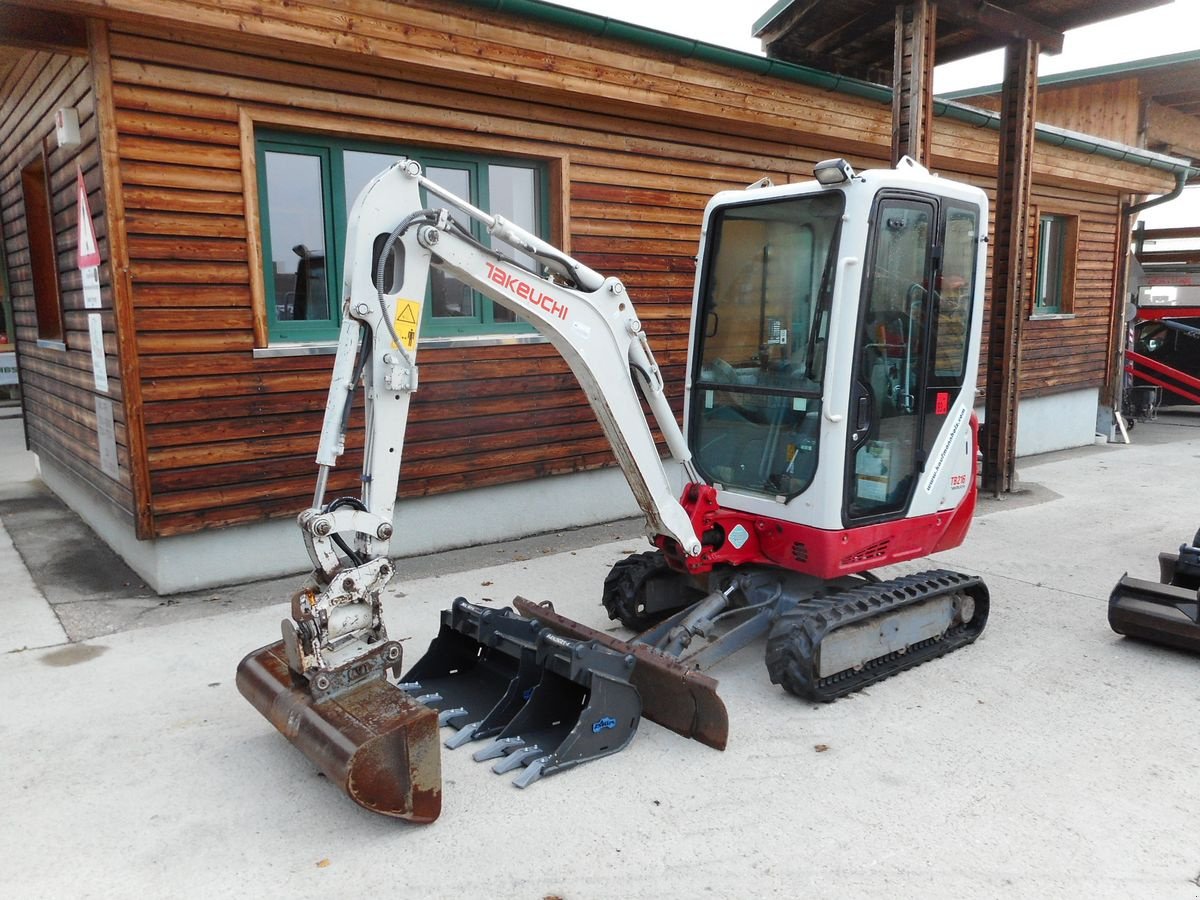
(549, 703)
(1167, 611)
(373, 741)
(673, 695)
(479, 670)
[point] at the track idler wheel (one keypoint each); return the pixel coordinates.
(642, 590)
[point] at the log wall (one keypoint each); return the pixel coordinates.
(636, 140)
(58, 385)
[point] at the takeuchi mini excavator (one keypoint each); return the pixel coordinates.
(828, 431)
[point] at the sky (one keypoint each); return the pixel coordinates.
(1171, 28)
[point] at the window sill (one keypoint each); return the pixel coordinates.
(329, 348)
(1044, 317)
(51, 345)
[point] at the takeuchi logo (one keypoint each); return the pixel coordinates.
(525, 291)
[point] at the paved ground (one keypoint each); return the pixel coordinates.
(1050, 759)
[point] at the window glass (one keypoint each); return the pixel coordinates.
(359, 167)
(513, 193)
(764, 311)
(956, 285)
(296, 212)
(1052, 247)
(307, 187)
(891, 360)
(448, 296)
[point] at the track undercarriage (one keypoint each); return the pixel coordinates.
(824, 639)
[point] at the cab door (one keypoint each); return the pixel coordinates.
(885, 452)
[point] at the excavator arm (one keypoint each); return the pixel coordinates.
(393, 242)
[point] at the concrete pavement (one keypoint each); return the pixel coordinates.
(1050, 759)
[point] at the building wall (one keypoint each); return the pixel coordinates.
(1107, 109)
(62, 400)
(636, 139)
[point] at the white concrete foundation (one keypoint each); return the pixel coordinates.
(1055, 422)
(423, 525)
(429, 524)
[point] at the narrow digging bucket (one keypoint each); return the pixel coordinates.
(673, 695)
(372, 740)
(1163, 613)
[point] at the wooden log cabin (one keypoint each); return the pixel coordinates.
(175, 403)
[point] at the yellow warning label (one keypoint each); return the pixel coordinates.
(408, 320)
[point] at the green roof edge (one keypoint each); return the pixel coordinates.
(689, 48)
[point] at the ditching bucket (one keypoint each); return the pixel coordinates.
(549, 702)
(372, 740)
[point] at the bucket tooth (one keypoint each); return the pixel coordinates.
(477, 668)
(374, 742)
(464, 735)
(533, 771)
(519, 758)
(497, 748)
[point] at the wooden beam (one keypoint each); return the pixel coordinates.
(1002, 23)
(912, 81)
(1013, 188)
(122, 281)
(35, 29)
(1166, 126)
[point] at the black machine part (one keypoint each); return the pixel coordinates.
(548, 703)
(828, 647)
(1167, 611)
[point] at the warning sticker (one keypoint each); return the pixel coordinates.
(408, 320)
(87, 250)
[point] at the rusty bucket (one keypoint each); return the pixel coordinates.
(372, 740)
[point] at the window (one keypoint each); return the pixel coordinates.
(1054, 291)
(307, 185)
(43, 260)
(765, 299)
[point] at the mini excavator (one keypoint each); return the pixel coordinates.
(828, 431)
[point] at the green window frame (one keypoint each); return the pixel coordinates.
(450, 309)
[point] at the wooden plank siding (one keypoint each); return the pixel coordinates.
(57, 382)
(637, 138)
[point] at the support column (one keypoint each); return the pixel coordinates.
(912, 80)
(1009, 262)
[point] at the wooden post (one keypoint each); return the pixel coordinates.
(912, 81)
(122, 279)
(1009, 261)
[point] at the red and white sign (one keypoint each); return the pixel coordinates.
(89, 250)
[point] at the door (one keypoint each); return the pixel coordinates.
(885, 453)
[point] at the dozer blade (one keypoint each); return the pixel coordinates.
(673, 695)
(373, 741)
(479, 670)
(1163, 613)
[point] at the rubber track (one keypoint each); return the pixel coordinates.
(794, 639)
